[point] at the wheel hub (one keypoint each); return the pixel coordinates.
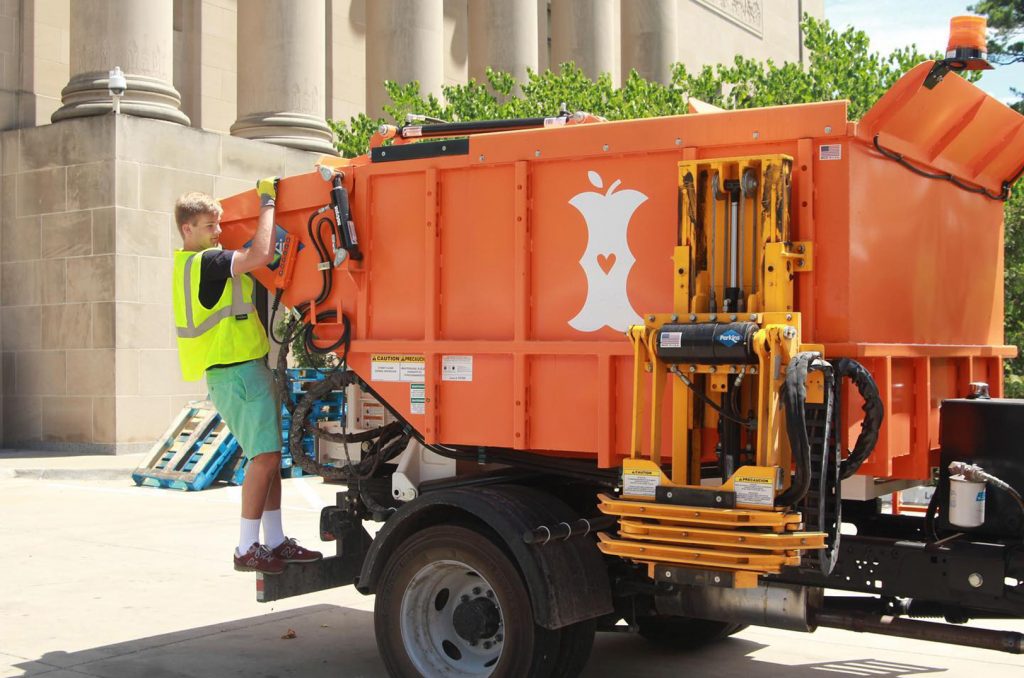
(476, 619)
(452, 621)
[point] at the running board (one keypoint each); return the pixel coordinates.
(298, 579)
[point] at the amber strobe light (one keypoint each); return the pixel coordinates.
(967, 42)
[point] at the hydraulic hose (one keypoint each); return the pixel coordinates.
(794, 399)
(874, 413)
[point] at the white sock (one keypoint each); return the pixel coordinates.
(273, 533)
(248, 535)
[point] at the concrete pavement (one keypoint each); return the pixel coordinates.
(108, 580)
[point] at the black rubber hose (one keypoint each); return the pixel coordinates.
(874, 413)
(343, 341)
(794, 397)
(322, 252)
(937, 501)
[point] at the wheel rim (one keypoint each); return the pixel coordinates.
(451, 621)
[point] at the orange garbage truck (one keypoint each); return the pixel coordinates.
(661, 375)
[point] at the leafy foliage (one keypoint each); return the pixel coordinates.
(1014, 287)
(841, 66)
(1006, 26)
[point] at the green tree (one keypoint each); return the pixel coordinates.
(1006, 24)
(841, 66)
(1014, 291)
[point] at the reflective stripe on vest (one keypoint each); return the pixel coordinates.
(238, 306)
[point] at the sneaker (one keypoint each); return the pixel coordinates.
(259, 559)
(290, 552)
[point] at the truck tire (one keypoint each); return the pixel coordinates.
(685, 633)
(574, 650)
(450, 602)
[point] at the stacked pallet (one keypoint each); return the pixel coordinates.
(192, 453)
(198, 449)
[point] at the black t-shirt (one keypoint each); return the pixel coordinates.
(215, 269)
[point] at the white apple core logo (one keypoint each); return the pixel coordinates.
(607, 259)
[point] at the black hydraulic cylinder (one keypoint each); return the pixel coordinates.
(339, 201)
(707, 343)
(448, 129)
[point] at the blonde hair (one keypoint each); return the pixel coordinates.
(191, 206)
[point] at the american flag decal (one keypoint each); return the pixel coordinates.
(830, 152)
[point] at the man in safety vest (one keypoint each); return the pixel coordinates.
(220, 335)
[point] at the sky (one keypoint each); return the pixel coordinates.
(899, 23)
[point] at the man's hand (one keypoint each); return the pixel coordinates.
(267, 190)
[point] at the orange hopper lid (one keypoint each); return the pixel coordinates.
(966, 32)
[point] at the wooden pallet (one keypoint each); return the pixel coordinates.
(191, 453)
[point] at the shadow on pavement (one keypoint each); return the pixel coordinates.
(328, 641)
(627, 654)
(338, 642)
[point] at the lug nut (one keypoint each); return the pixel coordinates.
(464, 598)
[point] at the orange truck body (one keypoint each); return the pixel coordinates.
(482, 264)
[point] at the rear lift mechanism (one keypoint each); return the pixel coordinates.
(729, 363)
(742, 522)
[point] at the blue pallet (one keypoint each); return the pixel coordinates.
(198, 449)
(189, 459)
(301, 377)
(288, 467)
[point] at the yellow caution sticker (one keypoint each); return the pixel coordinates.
(638, 482)
(754, 490)
(397, 367)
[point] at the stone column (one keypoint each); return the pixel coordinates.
(282, 74)
(649, 39)
(584, 31)
(404, 42)
(138, 36)
(502, 35)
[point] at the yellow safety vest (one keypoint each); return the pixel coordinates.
(230, 332)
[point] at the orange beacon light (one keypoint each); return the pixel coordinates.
(967, 43)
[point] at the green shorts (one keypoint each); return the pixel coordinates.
(245, 396)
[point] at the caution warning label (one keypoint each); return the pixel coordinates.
(395, 367)
(640, 483)
(754, 491)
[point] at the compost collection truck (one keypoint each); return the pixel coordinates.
(660, 374)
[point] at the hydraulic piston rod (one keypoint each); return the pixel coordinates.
(713, 302)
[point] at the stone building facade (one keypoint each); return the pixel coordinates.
(221, 92)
